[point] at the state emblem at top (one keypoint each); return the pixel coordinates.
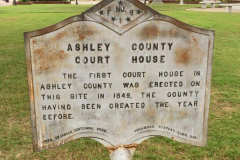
(120, 15)
(120, 12)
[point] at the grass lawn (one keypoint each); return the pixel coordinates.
(224, 118)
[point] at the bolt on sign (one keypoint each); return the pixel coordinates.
(119, 73)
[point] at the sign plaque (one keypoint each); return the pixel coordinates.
(119, 73)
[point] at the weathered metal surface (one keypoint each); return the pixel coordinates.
(119, 81)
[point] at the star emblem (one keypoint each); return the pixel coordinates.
(119, 12)
(128, 19)
(120, 2)
(139, 11)
(113, 19)
(101, 12)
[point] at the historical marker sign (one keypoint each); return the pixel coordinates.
(119, 73)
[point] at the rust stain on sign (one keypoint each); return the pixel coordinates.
(34, 42)
(150, 32)
(183, 55)
(47, 62)
(85, 31)
(59, 36)
(129, 146)
(200, 54)
(194, 39)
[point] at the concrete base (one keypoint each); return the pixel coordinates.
(229, 9)
(212, 5)
(204, 5)
(229, 6)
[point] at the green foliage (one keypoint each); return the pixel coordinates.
(15, 125)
